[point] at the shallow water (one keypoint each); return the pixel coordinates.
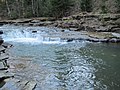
(75, 65)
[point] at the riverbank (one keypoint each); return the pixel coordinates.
(91, 27)
(17, 73)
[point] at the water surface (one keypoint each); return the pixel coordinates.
(77, 65)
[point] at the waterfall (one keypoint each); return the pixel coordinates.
(30, 35)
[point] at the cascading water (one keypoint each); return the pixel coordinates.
(31, 35)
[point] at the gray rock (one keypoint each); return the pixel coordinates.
(73, 29)
(5, 75)
(116, 35)
(22, 84)
(1, 32)
(6, 45)
(34, 31)
(10, 84)
(2, 67)
(3, 57)
(30, 85)
(3, 60)
(116, 30)
(69, 40)
(35, 21)
(1, 41)
(114, 40)
(2, 49)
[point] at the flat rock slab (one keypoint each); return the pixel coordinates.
(16, 21)
(9, 84)
(5, 75)
(6, 45)
(16, 84)
(116, 34)
(2, 48)
(26, 85)
(3, 57)
(1, 41)
(30, 85)
(3, 68)
(90, 36)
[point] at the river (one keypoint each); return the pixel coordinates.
(76, 65)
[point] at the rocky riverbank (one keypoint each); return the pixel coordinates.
(4, 73)
(19, 75)
(16, 73)
(91, 27)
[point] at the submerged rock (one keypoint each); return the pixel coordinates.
(1, 32)
(34, 31)
(69, 40)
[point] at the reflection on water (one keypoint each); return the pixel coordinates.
(72, 70)
(76, 66)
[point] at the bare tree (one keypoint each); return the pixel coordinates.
(33, 9)
(8, 8)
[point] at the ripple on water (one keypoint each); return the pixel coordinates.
(74, 66)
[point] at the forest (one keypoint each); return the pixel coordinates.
(13, 9)
(59, 44)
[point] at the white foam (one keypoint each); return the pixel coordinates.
(21, 39)
(26, 36)
(53, 42)
(32, 41)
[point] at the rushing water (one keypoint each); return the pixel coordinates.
(76, 65)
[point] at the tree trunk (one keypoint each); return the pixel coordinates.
(23, 9)
(33, 10)
(8, 9)
(18, 8)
